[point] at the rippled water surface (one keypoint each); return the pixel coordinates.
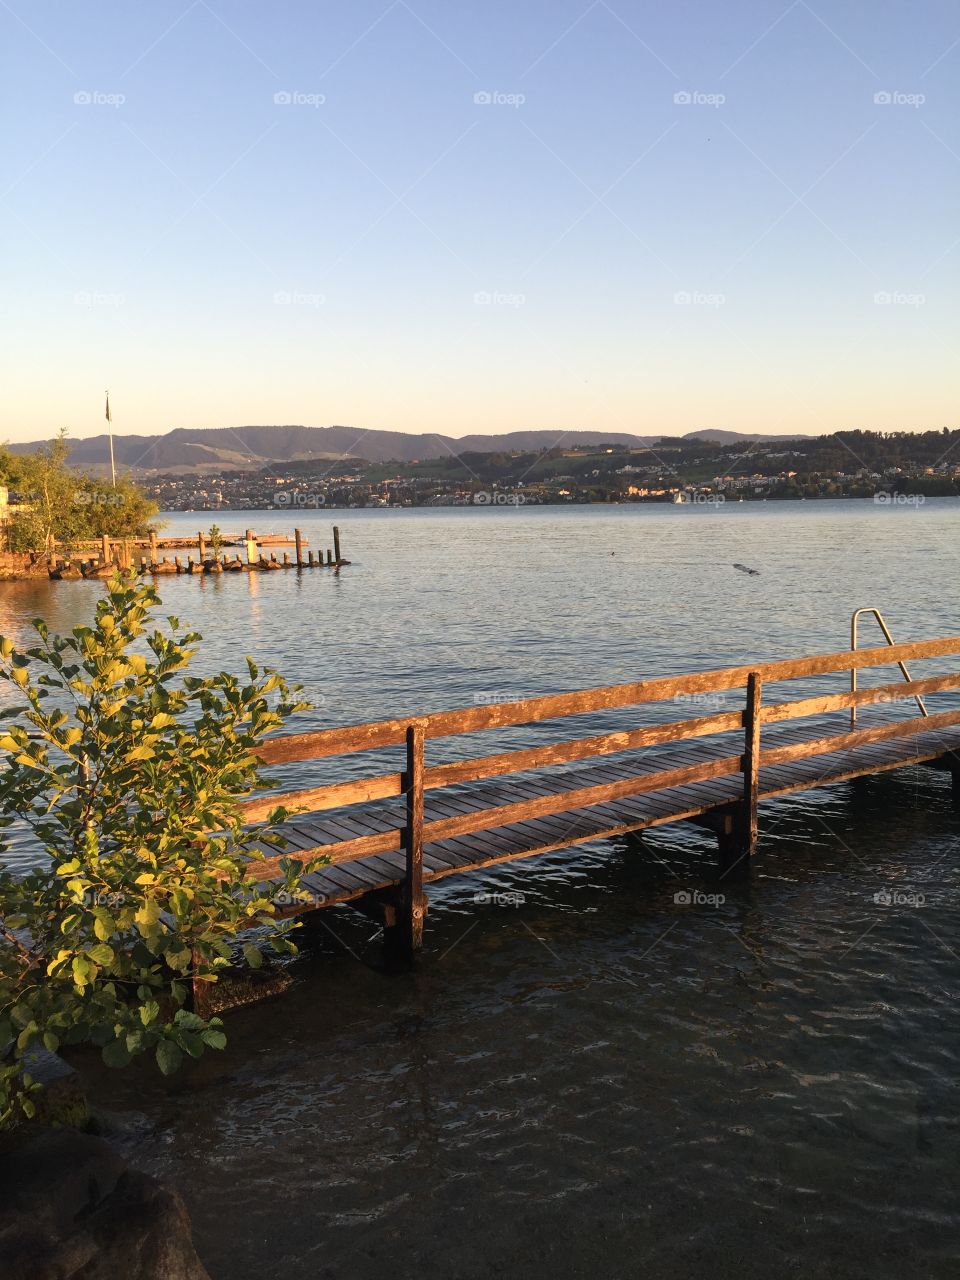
(600, 1081)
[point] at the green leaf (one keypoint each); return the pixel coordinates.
(27, 1036)
(149, 1012)
(101, 954)
(104, 925)
(252, 955)
(191, 1042)
(178, 958)
(148, 917)
(84, 971)
(169, 1057)
(116, 1054)
(214, 1039)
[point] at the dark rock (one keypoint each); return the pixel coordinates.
(64, 572)
(71, 1208)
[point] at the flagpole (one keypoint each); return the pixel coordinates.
(113, 469)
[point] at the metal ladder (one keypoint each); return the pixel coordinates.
(854, 623)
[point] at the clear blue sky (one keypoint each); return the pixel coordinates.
(217, 257)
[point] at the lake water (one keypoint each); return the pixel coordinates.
(600, 1081)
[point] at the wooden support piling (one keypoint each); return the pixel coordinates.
(738, 839)
(105, 548)
(286, 560)
(406, 937)
(253, 555)
(201, 545)
(751, 756)
(336, 544)
(178, 563)
(329, 556)
(311, 559)
(153, 547)
(298, 539)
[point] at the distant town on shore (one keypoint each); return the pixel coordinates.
(850, 464)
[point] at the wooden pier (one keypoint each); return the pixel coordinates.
(390, 835)
(123, 553)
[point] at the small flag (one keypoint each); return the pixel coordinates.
(109, 419)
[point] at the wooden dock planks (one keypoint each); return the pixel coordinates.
(390, 835)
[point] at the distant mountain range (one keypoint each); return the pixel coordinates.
(205, 449)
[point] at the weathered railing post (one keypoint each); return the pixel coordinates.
(751, 759)
(738, 838)
(413, 903)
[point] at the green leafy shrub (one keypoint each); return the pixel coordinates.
(68, 506)
(130, 773)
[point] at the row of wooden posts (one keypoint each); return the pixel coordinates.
(121, 552)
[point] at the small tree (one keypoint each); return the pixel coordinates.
(68, 506)
(130, 773)
(216, 541)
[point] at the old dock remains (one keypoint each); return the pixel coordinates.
(246, 555)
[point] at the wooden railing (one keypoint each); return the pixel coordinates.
(416, 778)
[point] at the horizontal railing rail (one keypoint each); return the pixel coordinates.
(416, 777)
(291, 748)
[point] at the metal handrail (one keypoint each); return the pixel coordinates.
(854, 623)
